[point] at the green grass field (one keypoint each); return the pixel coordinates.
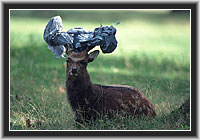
(153, 55)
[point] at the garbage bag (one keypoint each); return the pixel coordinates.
(78, 38)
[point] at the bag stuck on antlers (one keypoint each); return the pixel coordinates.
(78, 38)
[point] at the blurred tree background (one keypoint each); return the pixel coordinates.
(153, 55)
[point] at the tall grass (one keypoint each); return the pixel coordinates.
(153, 55)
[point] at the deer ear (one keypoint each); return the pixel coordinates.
(93, 55)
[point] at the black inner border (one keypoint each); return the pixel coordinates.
(7, 6)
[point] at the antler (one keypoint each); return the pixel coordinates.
(68, 49)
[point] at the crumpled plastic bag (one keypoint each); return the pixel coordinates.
(78, 38)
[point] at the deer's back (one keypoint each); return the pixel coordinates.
(125, 99)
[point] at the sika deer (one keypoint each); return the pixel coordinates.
(90, 101)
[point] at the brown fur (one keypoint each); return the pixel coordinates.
(90, 101)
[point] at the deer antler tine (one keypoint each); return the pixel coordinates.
(68, 49)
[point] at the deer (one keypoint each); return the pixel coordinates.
(90, 101)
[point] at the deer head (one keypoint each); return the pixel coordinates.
(77, 62)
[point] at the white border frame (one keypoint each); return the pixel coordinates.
(100, 10)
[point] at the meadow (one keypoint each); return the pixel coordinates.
(153, 55)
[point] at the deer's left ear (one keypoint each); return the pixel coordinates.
(93, 55)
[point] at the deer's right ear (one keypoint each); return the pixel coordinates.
(93, 55)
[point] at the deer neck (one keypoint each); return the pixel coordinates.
(79, 84)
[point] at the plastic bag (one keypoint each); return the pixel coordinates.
(78, 38)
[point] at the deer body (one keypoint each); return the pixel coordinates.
(90, 101)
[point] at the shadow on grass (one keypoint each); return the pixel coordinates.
(41, 66)
(44, 60)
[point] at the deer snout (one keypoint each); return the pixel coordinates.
(74, 70)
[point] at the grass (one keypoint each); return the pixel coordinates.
(153, 55)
